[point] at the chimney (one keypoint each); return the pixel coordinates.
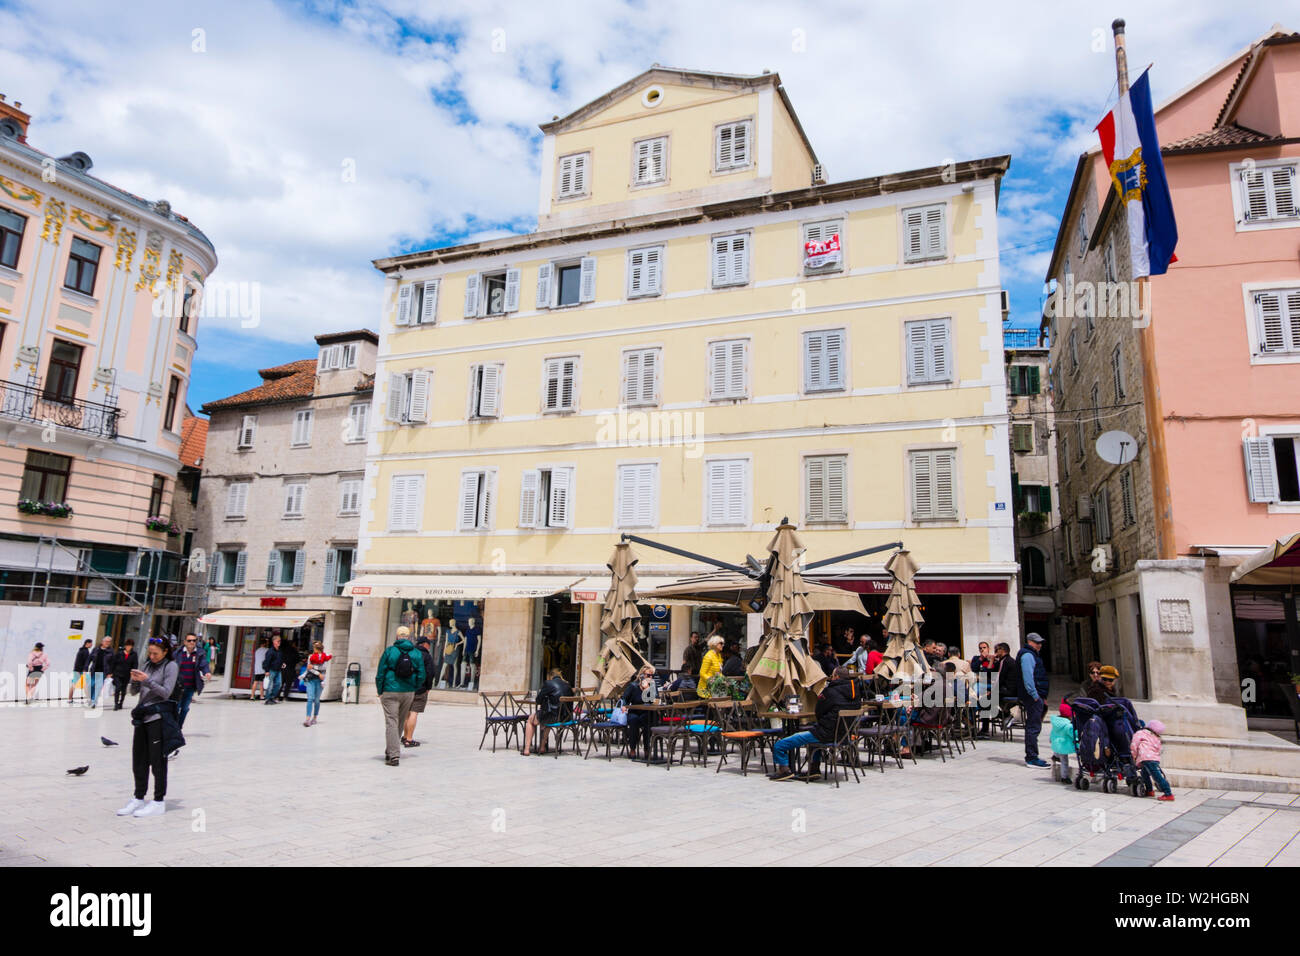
(16, 118)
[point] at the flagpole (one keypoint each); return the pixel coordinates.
(1151, 401)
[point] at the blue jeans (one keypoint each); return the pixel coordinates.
(1151, 768)
(781, 752)
(313, 697)
(273, 689)
(187, 698)
(96, 685)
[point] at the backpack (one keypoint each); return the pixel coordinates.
(404, 668)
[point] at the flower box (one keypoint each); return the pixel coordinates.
(50, 509)
(156, 523)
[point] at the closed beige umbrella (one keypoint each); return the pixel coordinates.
(781, 667)
(904, 659)
(620, 622)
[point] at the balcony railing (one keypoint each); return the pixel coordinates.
(1022, 339)
(29, 403)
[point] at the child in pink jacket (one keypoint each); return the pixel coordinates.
(1146, 757)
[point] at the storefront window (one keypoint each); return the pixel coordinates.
(455, 633)
(561, 623)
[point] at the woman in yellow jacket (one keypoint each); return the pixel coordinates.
(711, 666)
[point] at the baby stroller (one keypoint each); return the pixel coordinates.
(1121, 724)
(1092, 744)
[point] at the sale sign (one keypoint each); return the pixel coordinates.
(821, 252)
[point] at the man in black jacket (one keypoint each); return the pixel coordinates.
(273, 663)
(549, 709)
(841, 693)
(421, 698)
(79, 667)
(289, 655)
(124, 661)
(99, 667)
(693, 656)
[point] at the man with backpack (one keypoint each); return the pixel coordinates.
(1033, 695)
(421, 697)
(401, 672)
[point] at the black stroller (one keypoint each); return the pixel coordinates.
(1103, 735)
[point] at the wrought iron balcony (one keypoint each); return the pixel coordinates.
(28, 402)
(1022, 339)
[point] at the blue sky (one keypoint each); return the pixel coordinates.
(243, 113)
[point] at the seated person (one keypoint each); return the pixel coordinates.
(732, 666)
(549, 709)
(827, 659)
(842, 692)
(639, 690)
(684, 683)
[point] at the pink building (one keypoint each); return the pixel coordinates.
(1226, 323)
(99, 293)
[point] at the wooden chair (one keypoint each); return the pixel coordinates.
(500, 715)
(932, 724)
(740, 730)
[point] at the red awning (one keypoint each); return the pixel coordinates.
(923, 585)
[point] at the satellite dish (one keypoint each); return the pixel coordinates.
(1116, 447)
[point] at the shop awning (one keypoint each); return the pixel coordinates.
(254, 617)
(1039, 604)
(1279, 563)
(592, 590)
(727, 589)
(467, 587)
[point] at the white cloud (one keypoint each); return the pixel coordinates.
(249, 139)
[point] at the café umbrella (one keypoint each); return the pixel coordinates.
(904, 660)
(620, 622)
(781, 667)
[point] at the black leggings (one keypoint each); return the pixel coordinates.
(638, 725)
(147, 754)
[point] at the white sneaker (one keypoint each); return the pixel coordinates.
(132, 806)
(154, 808)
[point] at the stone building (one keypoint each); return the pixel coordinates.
(279, 505)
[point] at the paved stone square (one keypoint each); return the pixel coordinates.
(256, 787)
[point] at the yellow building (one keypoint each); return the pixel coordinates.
(701, 338)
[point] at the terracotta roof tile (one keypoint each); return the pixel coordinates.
(281, 383)
(194, 441)
(1230, 135)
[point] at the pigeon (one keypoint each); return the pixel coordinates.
(78, 771)
(107, 743)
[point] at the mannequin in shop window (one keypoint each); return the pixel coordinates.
(453, 644)
(473, 651)
(431, 628)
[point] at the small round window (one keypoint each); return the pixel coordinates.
(653, 96)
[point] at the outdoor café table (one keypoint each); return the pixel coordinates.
(787, 719)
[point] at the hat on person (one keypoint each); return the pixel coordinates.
(40, 646)
(1156, 727)
(422, 639)
(1035, 637)
(1110, 672)
(1066, 710)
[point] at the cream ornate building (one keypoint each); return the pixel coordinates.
(702, 337)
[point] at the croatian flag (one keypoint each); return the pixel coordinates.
(1128, 140)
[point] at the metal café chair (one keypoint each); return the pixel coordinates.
(740, 730)
(600, 728)
(842, 752)
(500, 715)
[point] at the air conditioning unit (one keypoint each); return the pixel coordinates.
(1006, 303)
(819, 175)
(1084, 508)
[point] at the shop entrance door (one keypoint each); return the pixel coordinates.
(561, 623)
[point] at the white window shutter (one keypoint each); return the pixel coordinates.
(232, 501)
(636, 272)
(580, 174)
(912, 234)
(396, 403)
(1283, 178)
(561, 495)
(404, 304)
(1272, 335)
(487, 509)
(241, 568)
(273, 568)
(247, 431)
(626, 493)
(718, 370)
(414, 495)
(299, 567)
(834, 342)
(654, 271)
(551, 388)
(717, 492)
(740, 259)
(836, 501)
(530, 482)
(740, 145)
(647, 494)
(489, 397)
(544, 285)
(935, 238)
(940, 353)
(512, 290)
(1261, 469)
(214, 569)
(429, 303)
(1292, 326)
(331, 570)
(469, 482)
(922, 486)
(736, 369)
(815, 480)
(917, 342)
(651, 376)
(397, 493)
(720, 261)
(1254, 194)
(587, 280)
(632, 377)
(473, 282)
(722, 148)
(945, 499)
(814, 361)
(420, 385)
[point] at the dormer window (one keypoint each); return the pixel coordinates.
(731, 145)
(573, 175)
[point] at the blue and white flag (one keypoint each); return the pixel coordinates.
(1132, 151)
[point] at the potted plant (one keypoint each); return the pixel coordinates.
(50, 509)
(159, 523)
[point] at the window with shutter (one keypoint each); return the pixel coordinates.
(929, 354)
(573, 176)
(925, 233)
(1268, 192)
(730, 260)
(473, 285)
(934, 491)
(299, 567)
(485, 387)
(731, 147)
(727, 372)
(1096, 409)
(644, 271)
(241, 568)
(247, 431)
(530, 484)
(560, 495)
(236, 499)
(824, 483)
(649, 163)
(428, 314)
(637, 495)
(214, 570)
(1261, 469)
(640, 377)
(727, 491)
(1128, 502)
(1101, 515)
(1277, 313)
(1117, 373)
(1022, 437)
(273, 568)
(1074, 350)
(824, 360)
(302, 427)
(349, 497)
(1082, 231)
(404, 294)
(293, 499)
(544, 273)
(420, 384)
(358, 418)
(331, 570)
(560, 384)
(1108, 261)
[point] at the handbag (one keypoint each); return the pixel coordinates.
(619, 716)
